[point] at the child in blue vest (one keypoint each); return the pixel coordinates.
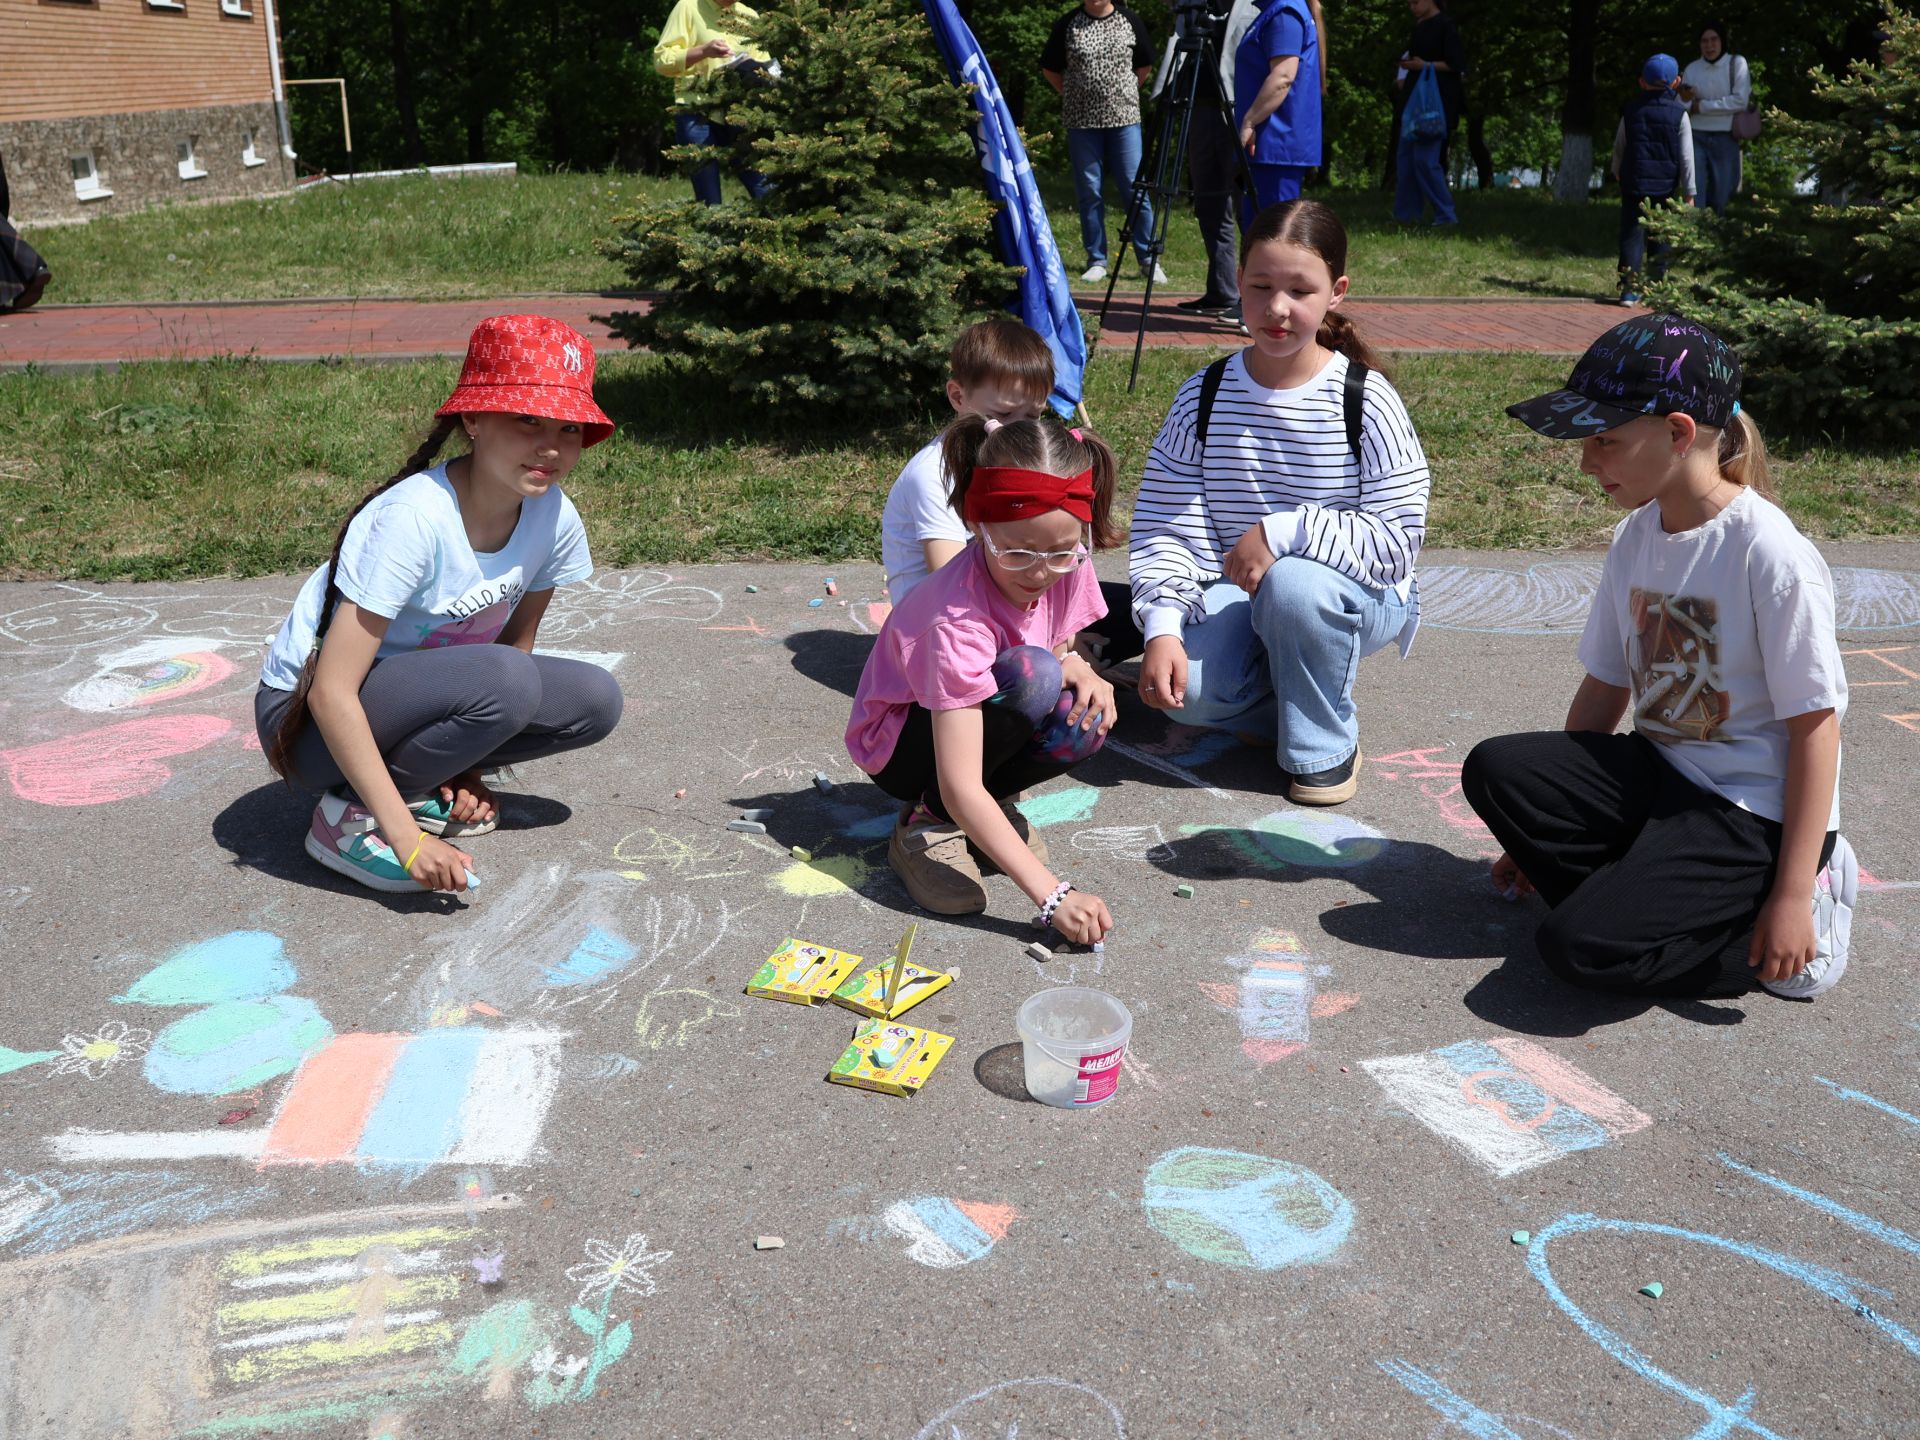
(1653, 161)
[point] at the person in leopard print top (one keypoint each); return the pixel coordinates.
(1097, 58)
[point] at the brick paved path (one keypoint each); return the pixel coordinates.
(70, 335)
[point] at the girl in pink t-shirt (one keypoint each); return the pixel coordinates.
(972, 693)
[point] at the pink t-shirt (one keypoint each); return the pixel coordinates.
(939, 644)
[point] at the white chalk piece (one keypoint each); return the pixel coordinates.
(769, 1242)
(822, 781)
(747, 827)
(756, 814)
(1099, 947)
(1039, 951)
(753, 589)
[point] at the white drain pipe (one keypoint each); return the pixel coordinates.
(279, 94)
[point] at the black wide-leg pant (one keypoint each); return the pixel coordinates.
(1654, 883)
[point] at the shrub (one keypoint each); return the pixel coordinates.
(846, 284)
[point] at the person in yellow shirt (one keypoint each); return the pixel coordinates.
(695, 47)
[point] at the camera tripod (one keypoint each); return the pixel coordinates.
(1159, 180)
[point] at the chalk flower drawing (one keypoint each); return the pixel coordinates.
(93, 1055)
(548, 1364)
(607, 1269)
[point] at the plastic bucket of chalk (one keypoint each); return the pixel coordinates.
(1073, 1040)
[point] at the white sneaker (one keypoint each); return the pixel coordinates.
(1159, 275)
(1093, 274)
(1835, 890)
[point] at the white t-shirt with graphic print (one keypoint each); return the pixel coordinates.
(406, 557)
(1723, 634)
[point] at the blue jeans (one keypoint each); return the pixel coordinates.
(1419, 178)
(1716, 168)
(1272, 185)
(1099, 155)
(1633, 241)
(1283, 663)
(690, 128)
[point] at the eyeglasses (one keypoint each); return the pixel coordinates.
(1060, 562)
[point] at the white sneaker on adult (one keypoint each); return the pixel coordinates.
(1094, 273)
(1159, 275)
(1835, 890)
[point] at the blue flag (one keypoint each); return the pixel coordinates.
(1026, 238)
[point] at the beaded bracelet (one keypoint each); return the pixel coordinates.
(1052, 903)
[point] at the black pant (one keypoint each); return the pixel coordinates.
(1654, 883)
(1213, 158)
(1120, 638)
(1633, 237)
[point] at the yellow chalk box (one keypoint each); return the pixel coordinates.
(893, 1059)
(866, 994)
(802, 973)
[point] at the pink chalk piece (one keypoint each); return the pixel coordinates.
(117, 762)
(1333, 1002)
(1571, 1086)
(1265, 1052)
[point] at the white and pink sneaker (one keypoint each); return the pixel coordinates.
(345, 838)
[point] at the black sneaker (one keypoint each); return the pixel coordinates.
(1206, 305)
(1333, 786)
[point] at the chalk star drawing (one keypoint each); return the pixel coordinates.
(1229, 1207)
(1507, 1103)
(945, 1234)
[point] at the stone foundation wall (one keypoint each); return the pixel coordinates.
(137, 157)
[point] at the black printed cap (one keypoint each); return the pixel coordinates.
(1649, 365)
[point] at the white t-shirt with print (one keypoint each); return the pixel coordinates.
(406, 557)
(1723, 634)
(917, 510)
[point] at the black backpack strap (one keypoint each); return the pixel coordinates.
(1354, 404)
(1210, 380)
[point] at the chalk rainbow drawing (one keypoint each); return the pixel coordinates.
(1506, 1103)
(1000, 1410)
(453, 1096)
(1300, 837)
(1276, 999)
(1229, 1207)
(118, 762)
(946, 1234)
(151, 673)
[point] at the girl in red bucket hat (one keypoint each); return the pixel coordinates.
(411, 649)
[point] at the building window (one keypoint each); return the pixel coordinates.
(166, 4)
(236, 8)
(87, 181)
(251, 156)
(189, 166)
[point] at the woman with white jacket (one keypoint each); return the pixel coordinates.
(1716, 87)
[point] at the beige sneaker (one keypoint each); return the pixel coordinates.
(1030, 837)
(932, 862)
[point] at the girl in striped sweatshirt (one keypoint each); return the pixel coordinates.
(1279, 518)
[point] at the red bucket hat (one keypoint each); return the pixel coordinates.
(530, 365)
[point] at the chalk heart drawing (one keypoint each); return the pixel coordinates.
(675, 1017)
(1042, 1404)
(1508, 1104)
(119, 762)
(152, 673)
(451, 1096)
(1301, 837)
(1229, 1207)
(946, 1234)
(79, 623)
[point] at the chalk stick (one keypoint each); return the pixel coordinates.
(800, 852)
(1653, 1289)
(1039, 951)
(473, 881)
(756, 814)
(753, 589)
(1185, 892)
(815, 603)
(822, 781)
(747, 827)
(1521, 1237)
(832, 589)
(769, 1242)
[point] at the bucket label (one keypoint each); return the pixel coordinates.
(1099, 1076)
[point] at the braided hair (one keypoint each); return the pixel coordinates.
(294, 722)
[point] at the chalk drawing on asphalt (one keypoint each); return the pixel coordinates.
(1044, 1404)
(1229, 1207)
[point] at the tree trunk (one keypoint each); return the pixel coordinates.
(415, 147)
(1477, 147)
(1576, 116)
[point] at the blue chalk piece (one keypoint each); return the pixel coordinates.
(815, 603)
(756, 814)
(473, 881)
(597, 956)
(747, 827)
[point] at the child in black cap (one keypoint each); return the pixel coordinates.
(1699, 853)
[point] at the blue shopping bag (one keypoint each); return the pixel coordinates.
(1425, 118)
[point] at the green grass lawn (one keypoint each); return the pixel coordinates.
(180, 470)
(458, 238)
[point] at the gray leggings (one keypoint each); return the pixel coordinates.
(437, 713)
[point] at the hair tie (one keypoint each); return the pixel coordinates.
(1074, 430)
(993, 424)
(1735, 411)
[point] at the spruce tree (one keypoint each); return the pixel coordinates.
(846, 284)
(1822, 298)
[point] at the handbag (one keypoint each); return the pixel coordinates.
(1746, 123)
(1425, 117)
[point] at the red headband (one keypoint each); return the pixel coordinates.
(1002, 492)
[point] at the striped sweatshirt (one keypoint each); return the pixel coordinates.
(1277, 457)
